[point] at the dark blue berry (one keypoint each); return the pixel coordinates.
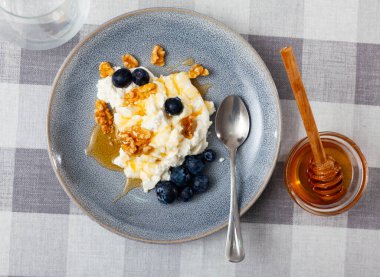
(180, 176)
(140, 77)
(194, 165)
(186, 194)
(173, 106)
(166, 192)
(209, 155)
(200, 183)
(122, 78)
(199, 156)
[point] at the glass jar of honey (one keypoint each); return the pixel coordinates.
(353, 167)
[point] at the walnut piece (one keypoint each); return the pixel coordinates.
(158, 55)
(189, 124)
(103, 116)
(135, 140)
(129, 61)
(197, 70)
(139, 93)
(105, 69)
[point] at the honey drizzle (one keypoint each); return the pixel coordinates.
(103, 148)
(187, 62)
(130, 184)
(202, 88)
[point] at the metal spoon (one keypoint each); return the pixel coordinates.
(232, 127)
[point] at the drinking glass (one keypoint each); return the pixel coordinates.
(41, 24)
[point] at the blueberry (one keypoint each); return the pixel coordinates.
(166, 192)
(200, 183)
(186, 194)
(173, 106)
(194, 165)
(209, 155)
(140, 77)
(199, 156)
(122, 78)
(180, 176)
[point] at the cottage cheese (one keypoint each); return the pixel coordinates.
(170, 146)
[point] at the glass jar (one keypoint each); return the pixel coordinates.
(352, 162)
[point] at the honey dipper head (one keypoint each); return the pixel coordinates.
(326, 179)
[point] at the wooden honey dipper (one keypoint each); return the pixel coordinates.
(325, 174)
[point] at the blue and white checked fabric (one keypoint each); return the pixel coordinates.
(337, 44)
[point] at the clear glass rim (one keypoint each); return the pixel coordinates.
(345, 206)
(36, 16)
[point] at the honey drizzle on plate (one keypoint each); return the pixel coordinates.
(187, 62)
(130, 184)
(202, 88)
(103, 148)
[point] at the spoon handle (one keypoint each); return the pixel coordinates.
(234, 244)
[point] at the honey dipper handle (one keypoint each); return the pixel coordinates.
(299, 92)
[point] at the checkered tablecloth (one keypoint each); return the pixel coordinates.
(337, 44)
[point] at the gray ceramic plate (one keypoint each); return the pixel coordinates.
(235, 69)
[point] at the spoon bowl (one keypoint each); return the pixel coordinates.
(232, 126)
(232, 122)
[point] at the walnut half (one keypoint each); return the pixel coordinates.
(158, 55)
(139, 93)
(135, 140)
(103, 116)
(129, 61)
(189, 124)
(105, 69)
(198, 70)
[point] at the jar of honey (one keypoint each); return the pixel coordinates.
(342, 194)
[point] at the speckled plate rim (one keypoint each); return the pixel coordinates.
(74, 51)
